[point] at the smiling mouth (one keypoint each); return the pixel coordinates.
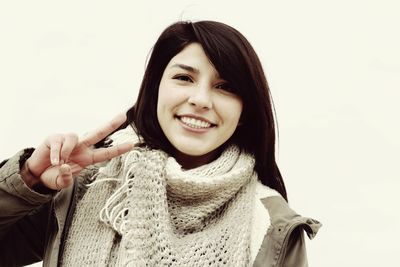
(195, 122)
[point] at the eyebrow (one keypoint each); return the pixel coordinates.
(186, 67)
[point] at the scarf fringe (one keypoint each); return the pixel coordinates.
(114, 212)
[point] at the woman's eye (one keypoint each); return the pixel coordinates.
(224, 86)
(184, 78)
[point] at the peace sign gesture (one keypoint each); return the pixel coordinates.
(61, 156)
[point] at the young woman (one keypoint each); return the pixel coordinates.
(187, 178)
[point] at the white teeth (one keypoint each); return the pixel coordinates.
(195, 123)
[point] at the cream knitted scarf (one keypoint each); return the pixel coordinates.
(144, 210)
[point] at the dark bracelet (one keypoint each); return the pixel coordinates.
(38, 187)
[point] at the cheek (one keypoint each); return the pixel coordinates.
(163, 108)
(163, 97)
(170, 97)
(162, 104)
(230, 111)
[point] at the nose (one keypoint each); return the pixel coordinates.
(201, 97)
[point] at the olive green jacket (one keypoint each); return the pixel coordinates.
(33, 225)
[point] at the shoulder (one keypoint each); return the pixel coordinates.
(280, 214)
(283, 244)
(263, 191)
(283, 217)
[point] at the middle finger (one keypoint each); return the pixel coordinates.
(102, 132)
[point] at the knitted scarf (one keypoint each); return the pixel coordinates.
(143, 209)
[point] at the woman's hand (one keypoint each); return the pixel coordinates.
(61, 156)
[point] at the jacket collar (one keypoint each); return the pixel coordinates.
(284, 229)
(282, 216)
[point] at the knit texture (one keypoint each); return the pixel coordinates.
(144, 210)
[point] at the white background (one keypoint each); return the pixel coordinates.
(334, 72)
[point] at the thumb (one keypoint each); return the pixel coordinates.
(64, 177)
(57, 177)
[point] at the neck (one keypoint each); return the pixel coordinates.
(190, 162)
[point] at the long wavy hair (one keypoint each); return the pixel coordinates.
(237, 63)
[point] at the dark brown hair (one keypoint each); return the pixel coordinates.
(236, 62)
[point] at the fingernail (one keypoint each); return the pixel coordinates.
(64, 168)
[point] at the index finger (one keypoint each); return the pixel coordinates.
(102, 132)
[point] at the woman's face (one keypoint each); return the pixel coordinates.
(195, 108)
